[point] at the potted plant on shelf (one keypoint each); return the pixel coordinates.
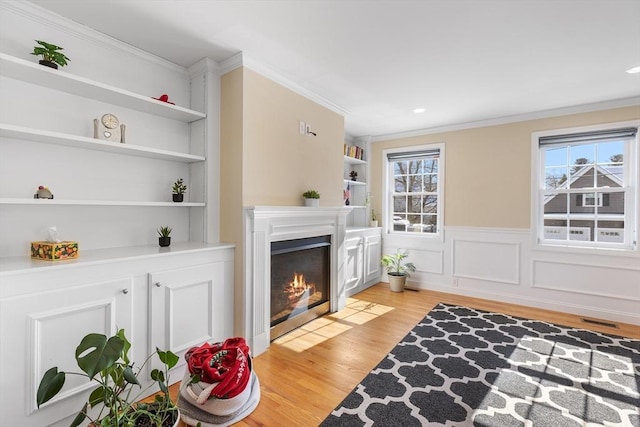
(311, 198)
(374, 219)
(51, 55)
(165, 236)
(397, 270)
(353, 175)
(105, 361)
(178, 189)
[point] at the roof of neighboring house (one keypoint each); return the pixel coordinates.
(614, 173)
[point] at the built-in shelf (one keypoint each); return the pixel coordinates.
(348, 181)
(49, 202)
(31, 72)
(357, 207)
(354, 161)
(37, 135)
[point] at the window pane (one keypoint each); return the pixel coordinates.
(555, 229)
(610, 176)
(431, 166)
(399, 168)
(400, 223)
(430, 204)
(554, 177)
(415, 167)
(555, 204)
(582, 204)
(581, 177)
(610, 231)
(555, 157)
(399, 203)
(581, 230)
(582, 154)
(612, 204)
(400, 184)
(414, 204)
(431, 183)
(610, 152)
(415, 183)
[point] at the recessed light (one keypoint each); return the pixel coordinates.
(634, 70)
(419, 110)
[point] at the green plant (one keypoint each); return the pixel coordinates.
(311, 194)
(395, 266)
(165, 231)
(179, 187)
(373, 216)
(49, 52)
(106, 362)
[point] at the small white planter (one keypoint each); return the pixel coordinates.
(312, 203)
(373, 224)
(396, 283)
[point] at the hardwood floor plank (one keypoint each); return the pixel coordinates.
(308, 372)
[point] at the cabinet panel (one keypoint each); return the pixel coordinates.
(49, 326)
(189, 306)
(373, 252)
(353, 266)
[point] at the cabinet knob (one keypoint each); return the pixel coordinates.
(125, 291)
(158, 284)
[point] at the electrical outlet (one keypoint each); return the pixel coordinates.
(302, 128)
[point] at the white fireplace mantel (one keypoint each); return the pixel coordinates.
(266, 224)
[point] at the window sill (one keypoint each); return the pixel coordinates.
(613, 252)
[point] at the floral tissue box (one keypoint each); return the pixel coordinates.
(52, 251)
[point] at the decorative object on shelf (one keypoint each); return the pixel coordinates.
(43, 193)
(108, 127)
(353, 175)
(311, 198)
(164, 98)
(346, 194)
(51, 57)
(106, 362)
(178, 189)
(374, 220)
(54, 249)
(165, 236)
(397, 269)
(219, 386)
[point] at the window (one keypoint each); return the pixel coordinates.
(587, 188)
(414, 189)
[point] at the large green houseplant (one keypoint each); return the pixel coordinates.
(105, 361)
(397, 269)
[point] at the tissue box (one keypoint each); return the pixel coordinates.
(54, 251)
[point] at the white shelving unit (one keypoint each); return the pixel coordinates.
(18, 210)
(359, 216)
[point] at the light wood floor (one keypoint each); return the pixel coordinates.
(308, 372)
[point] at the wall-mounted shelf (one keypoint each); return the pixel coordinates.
(30, 72)
(45, 202)
(30, 134)
(354, 161)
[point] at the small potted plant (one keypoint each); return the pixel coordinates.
(165, 236)
(105, 361)
(353, 175)
(374, 219)
(51, 55)
(178, 189)
(397, 270)
(311, 198)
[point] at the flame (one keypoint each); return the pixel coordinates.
(299, 286)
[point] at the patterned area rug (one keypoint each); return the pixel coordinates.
(466, 367)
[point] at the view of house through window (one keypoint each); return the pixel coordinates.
(414, 191)
(586, 188)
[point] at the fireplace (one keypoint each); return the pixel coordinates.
(300, 282)
(266, 225)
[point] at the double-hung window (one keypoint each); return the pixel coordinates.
(587, 187)
(414, 190)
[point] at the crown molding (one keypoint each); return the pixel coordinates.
(46, 17)
(203, 66)
(241, 60)
(576, 109)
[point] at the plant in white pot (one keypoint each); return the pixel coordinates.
(311, 198)
(397, 270)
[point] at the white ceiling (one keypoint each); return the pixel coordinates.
(461, 60)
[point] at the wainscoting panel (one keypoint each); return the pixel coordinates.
(600, 280)
(490, 261)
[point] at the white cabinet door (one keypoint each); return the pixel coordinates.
(189, 306)
(42, 330)
(353, 266)
(373, 251)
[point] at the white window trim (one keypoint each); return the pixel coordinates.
(537, 169)
(387, 184)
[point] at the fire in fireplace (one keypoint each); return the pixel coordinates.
(300, 282)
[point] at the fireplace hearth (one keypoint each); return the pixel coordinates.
(300, 282)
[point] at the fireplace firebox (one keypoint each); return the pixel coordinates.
(300, 282)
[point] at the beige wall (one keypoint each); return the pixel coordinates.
(488, 169)
(265, 161)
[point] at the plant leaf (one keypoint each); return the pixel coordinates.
(168, 358)
(95, 353)
(129, 376)
(96, 397)
(80, 417)
(51, 383)
(127, 346)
